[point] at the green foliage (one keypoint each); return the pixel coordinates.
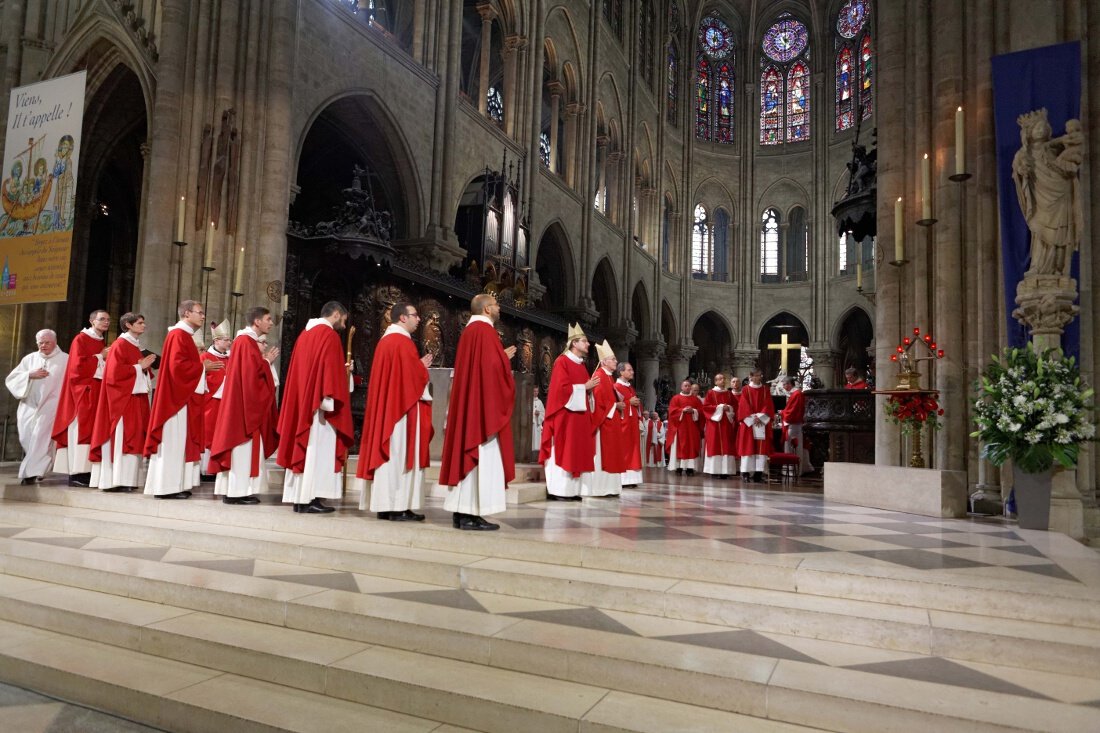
(1032, 408)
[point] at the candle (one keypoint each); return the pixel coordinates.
(180, 214)
(899, 231)
(960, 142)
(208, 248)
(859, 275)
(926, 188)
(286, 301)
(238, 279)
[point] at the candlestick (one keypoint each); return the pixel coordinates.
(180, 214)
(208, 249)
(960, 142)
(238, 278)
(899, 231)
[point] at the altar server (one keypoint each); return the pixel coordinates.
(720, 412)
(72, 427)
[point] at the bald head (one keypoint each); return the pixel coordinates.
(485, 304)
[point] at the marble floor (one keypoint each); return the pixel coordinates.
(691, 517)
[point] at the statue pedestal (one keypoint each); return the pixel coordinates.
(925, 491)
(1046, 306)
(1067, 511)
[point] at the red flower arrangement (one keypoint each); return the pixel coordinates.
(912, 412)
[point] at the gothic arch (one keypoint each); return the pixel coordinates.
(605, 294)
(838, 324)
(357, 122)
(560, 26)
(640, 310)
(853, 334)
(781, 323)
(713, 338)
(554, 267)
(782, 195)
(713, 193)
(668, 324)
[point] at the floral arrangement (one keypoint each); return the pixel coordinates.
(913, 412)
(1032, 408)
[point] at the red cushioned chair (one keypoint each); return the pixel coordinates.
(788, 464)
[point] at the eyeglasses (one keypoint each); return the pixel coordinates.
(198, 313)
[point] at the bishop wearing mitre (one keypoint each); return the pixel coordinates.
(568, 434)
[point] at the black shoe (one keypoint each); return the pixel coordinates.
(690, 472)
(29, 480)
(456, 519)
(177, 495)
(118, 490)
(679, 471)
(383, 515)
(299, 507)
(476, 524)
(315, 507)
(251, 499)
(83, 480)
(745, 477)
(406, 516)
(758, 477)
(554, 497)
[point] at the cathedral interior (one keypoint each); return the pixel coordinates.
(664, 172)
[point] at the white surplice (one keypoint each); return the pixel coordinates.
(115, 467)
(169, 470)
(38, 400)
(560, 482)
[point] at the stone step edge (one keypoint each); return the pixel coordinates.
(709, 689)
(997, 604)
(960, 643)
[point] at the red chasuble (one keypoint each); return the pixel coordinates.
(795, 411)
(180, 372)
(79, 391)
(397, 381)
(482, 398)
(681, 428)
(117, 402)
(247, 407)
(754, 400)
(612, 451)
(210, 406)
(722, 435)
(572, 433)
(316, 371)
(630, 434)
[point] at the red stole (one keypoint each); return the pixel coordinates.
(571, 434)
(482, 398)
(247, 407)
(79, 391)
(397, 381)
(316, 371)
(180, 372)
(117, 402)
(754, 400)
(721, 435)
(684, 434)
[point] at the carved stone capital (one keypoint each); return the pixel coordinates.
(487, 12)
(649, 349)
(575, 109)
(556, 88)
(743, 359)
(682, 351)
(1046, 304)
(514, 43)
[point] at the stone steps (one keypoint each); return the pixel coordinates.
(486, 673)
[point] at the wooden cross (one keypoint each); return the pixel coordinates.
(783, 347)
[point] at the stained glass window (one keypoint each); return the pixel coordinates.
(851, 18)
(798, 103)
(646, 60)
(613, 13)
(702, 98)
(785, 83)
(866, 73)
(769, 246)
(702, 252)
(544, 149)
(771, 106)
(723, 112)
(495, 105)
(715, 37)
(786, 40)
(673, 17)
(672, 80)
(845, 118)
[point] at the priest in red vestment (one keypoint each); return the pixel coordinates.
(397, 423)
(684, 412)
(568, 434)
(122, 417)
(218, 353)
(794, 414)
(75, 419)
(315, 430)
(606, 476)
(174, 442)
(854, 380)
(654, 441)
(720, 413)
(755, 411)
(478, 456)
(244, 434)
(629, 421)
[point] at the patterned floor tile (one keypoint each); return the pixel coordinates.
(70, 542)
(744, 641)
(921, 559)
(10, 531)
(141, 553)
(776, 545)
(585, 618)
(502, 604)
(333, 581)
(915, 541)
(651, 534)
(237, 566)
(946, 672)
(453, 598)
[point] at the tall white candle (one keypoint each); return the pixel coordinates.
(180, 214)
(899, 231)
(238, 278)
(926, 188)
(859, 275)
(208, 248)
(960, 142)
(286, 301)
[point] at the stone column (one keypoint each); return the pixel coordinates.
(648, 370)
(781, 253)
(601, 174)
(743, 361)
(612, 173)
(556, 89)
(649, 221)
(824, 364)
(418, 31)
(510, 55)
(678, 357)
(673, 242)
(485, 10)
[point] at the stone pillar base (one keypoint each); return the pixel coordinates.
(1067, 512)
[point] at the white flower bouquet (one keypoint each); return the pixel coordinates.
(1034, 409)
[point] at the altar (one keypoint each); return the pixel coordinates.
(925, 491)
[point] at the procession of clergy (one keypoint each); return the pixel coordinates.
(88, 414)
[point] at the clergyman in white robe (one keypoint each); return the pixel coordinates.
(38, 399)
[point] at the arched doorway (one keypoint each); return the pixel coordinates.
(712, 340)
(782, 328)
(639, 316)
(554, 267)
(606, 296)
(853, 340)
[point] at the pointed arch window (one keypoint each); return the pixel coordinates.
(613, 14)
(796, 250)
(854, 66)
(769, 246)
(544, 149)
(721, 237)
(785, 82)
(647, 46)
(702, 245)
(714, 81)
(495, 106)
